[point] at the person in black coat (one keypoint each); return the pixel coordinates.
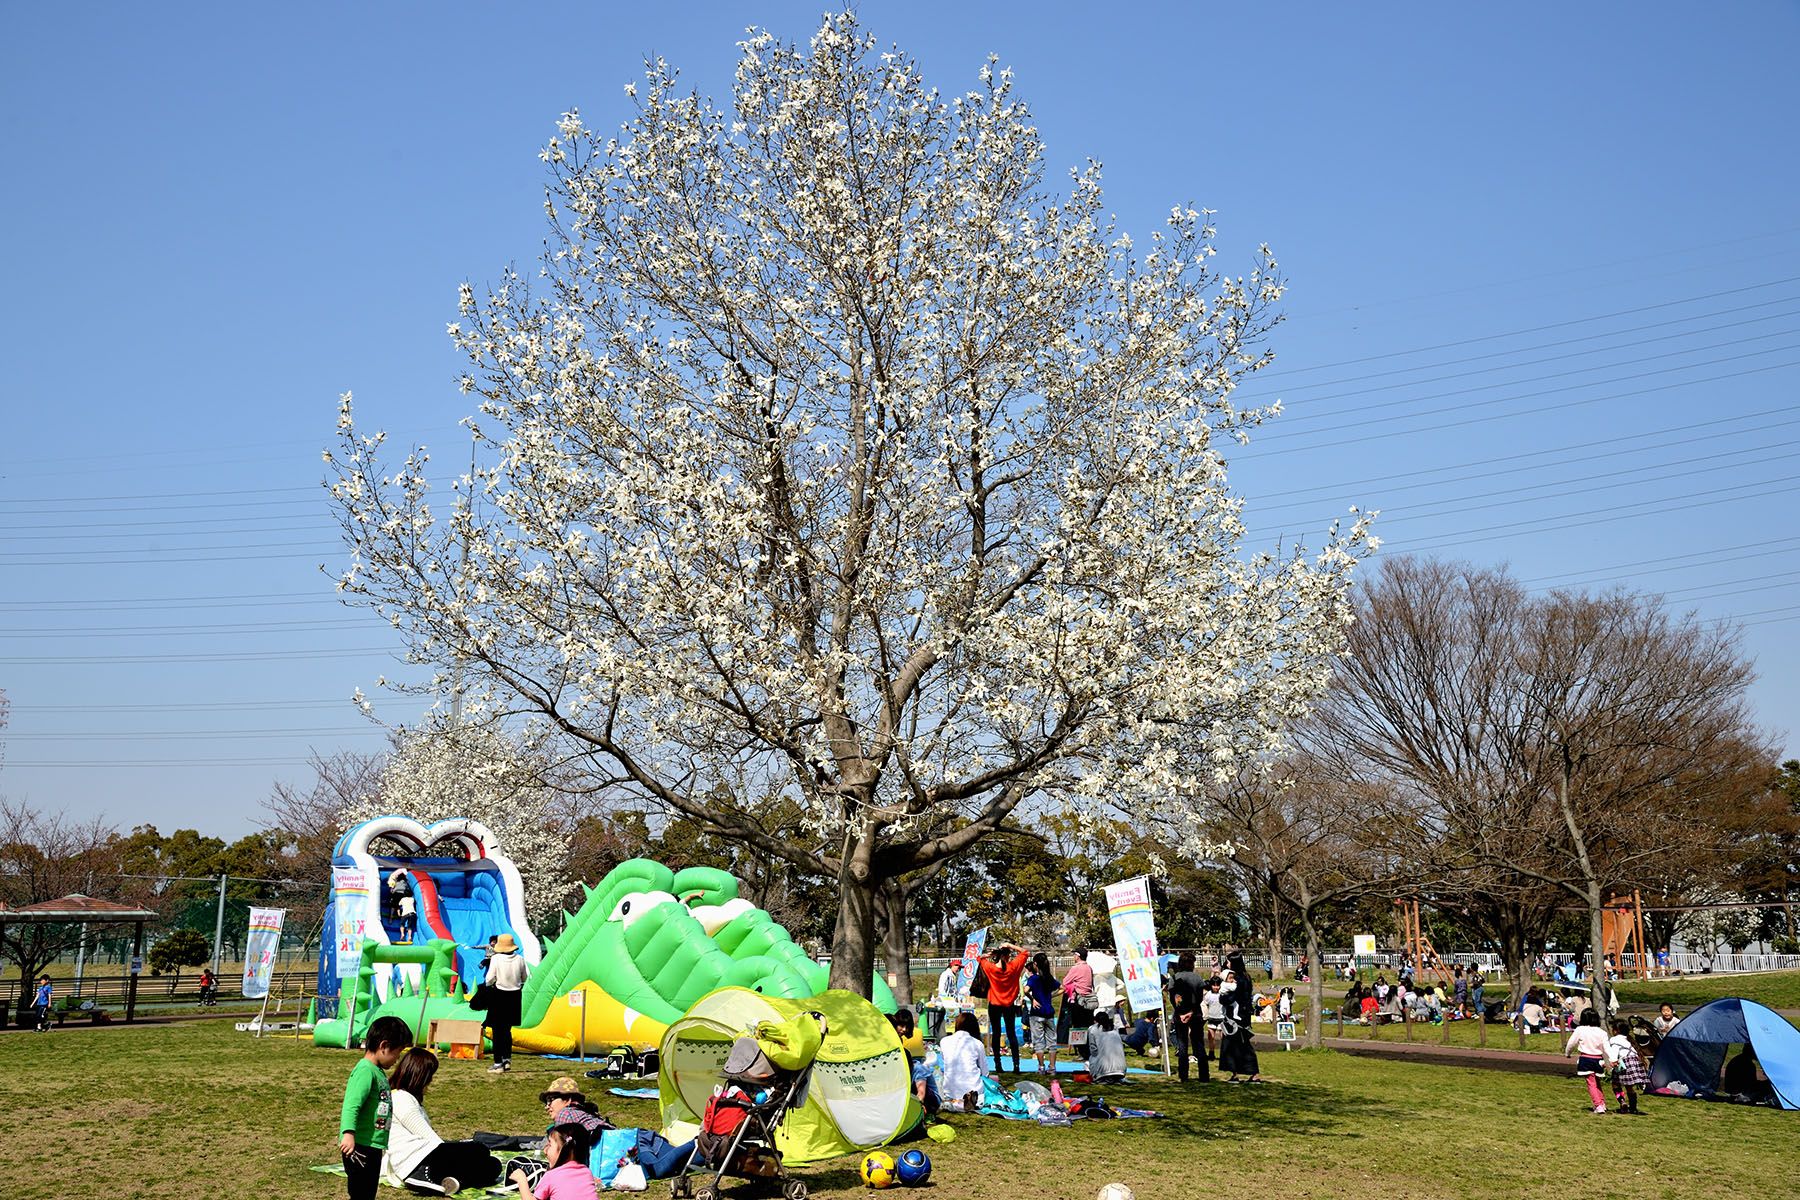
(1237, 1050)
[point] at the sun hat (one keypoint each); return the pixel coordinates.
(562, 1086)
(504, 944)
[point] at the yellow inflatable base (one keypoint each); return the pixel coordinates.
(607, 1024)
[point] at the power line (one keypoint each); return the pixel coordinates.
(1592, 337)
(1523, 412)
(1549, 524)
(1574, 321)
(1574, 454)
(109, 735)
(201, 656)
(1506, 383)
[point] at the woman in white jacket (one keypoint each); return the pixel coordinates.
(416, 1154)
(964, 1061)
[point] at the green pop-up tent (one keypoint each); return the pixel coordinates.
(861, 1093)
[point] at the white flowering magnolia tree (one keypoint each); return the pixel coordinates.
(832, 457)
(447, 768)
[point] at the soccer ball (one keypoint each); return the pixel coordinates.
(878, 1169)
(914, 1168)
(1115, 1191)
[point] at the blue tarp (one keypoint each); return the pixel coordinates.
(1694, 1051)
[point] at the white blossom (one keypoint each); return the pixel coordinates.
(830, 456)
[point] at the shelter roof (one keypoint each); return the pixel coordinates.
(75, 908)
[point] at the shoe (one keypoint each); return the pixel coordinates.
(507, 1065)
(451, 1185)
(496, 1068)
(1600, 1110)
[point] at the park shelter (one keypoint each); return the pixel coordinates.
(861, 1091)
(1693, 1053)
(85, 910)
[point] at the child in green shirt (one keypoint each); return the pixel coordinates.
(363, 1123)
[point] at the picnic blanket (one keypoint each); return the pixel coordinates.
(635, 1093)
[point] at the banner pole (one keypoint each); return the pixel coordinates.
(1166, 1017)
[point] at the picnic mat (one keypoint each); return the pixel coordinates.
(635, 1093)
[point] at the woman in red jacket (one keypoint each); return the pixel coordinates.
(1004, 966)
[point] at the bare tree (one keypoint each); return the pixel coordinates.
(1649, 737)
(309, 818)
(1558, 747)
(1310, 840)
(46, 856)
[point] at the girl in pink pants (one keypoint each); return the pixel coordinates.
(1589, 1043)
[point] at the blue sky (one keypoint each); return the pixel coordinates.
(1545, 308)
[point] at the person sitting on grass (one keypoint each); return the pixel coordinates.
(964, 1062)
(917, 1060)
(1531, 1013)
(567, 1104)
(1106, 1050)
(1146, 1033)
(416, 1154)
(569, 1176)
(369, 1106)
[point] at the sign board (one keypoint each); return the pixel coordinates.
(352, 901)
(1363, 945)
(971, 954)
(1284, 1031)
(137, 964)
(1134, 934)
(575, 998)
(259, 950)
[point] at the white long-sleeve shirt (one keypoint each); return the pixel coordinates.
(410, 1137)
(965, 1062)
(1588, 1040)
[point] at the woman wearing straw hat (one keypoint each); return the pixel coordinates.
(506, 982)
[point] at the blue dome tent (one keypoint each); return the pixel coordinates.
(1694, 1051)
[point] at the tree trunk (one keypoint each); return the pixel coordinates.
(1315, 981)
(1518, 971)
(896, 948)
(853, 938)
(1597, 989)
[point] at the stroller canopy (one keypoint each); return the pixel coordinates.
(861, 1091)
(1694, 1051)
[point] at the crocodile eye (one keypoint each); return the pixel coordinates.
(630, 908)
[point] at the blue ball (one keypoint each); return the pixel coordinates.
(913, 1168)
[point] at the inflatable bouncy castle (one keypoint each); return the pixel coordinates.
(647, 943)
(463, 887)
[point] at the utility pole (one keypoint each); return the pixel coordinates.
(219, 928)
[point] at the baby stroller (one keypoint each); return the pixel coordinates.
(765, 1077)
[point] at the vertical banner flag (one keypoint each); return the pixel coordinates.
(1134, 933)
(351, 902)
(259, 950)
(971, 952)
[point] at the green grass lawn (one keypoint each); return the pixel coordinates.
(1777, 989)
(199, 1110)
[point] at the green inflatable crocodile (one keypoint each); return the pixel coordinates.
(646, 944)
